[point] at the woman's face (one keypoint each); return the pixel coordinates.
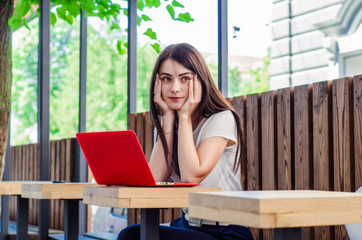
(175, 80)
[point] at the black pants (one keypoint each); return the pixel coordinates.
(180, 230)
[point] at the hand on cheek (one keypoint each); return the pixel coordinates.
(157, 97)
(193, 99)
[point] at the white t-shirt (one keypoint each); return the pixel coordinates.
(220, 124)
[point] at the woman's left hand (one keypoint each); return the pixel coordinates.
(193, 100)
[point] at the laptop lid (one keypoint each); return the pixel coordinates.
(117, 158)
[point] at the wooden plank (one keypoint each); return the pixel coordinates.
(70, 159)
(341, 134)
(22, 163)
(275, 209)
(322, 144)
(342, 127)
(357, 123)
(303, 137)
(253, 148)
(284, 136)
(148, 136)
(239, 106)
(31, 176)
(53, 213)
(132, 121)
(303, 143)
(268, 139)
(132, 126)
(268, 146)
(140, 129)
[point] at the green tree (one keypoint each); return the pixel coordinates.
(106, 83)
(6, 9)
(68, 11)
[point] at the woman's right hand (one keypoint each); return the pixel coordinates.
(157, 98)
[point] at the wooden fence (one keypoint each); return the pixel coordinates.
(24, 166)
(304, 137)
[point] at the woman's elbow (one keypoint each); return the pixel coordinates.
(191, 179)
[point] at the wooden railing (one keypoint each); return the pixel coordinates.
(304, 137)
(24, 166)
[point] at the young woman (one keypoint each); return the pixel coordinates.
(199, 139)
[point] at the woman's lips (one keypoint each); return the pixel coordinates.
(175, 98)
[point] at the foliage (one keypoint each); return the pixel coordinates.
(106, 83)
(106, 10)
(256, 82)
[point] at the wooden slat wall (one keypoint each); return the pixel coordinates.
(306, 137)
(25, 166)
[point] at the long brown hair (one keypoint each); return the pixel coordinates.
(212, 100)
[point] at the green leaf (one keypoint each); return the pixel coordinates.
(149, 3)
(140, 5)
(156, 47)
(15, 22)
(171, 11)
(145, 18)
(26, 24)
(150, 33)
(53, 18)
(185, 17)
(125, 12)
(25, 8)
(61, 11)
(114, 26)
(73, 8)
(156, 3)
(121, 50)
(177, 4)
(139, 20)
(69, 19)
(116, 7)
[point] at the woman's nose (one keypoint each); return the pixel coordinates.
(175, 86)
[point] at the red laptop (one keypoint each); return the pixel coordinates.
(116, 158)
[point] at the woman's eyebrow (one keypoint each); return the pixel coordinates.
(168, 74)
(185, 73)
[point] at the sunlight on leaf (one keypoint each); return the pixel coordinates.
(156, 47)
(171, 11)
(145, 18)
(121, 50)
(177, 4)
(53, 18)
(185, 17)
(151, 34)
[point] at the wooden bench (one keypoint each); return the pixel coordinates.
(303, 137)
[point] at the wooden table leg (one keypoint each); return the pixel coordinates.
(150, 223)
(288, 233)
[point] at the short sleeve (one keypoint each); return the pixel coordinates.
(220, 124)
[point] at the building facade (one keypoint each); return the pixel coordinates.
(315, 40)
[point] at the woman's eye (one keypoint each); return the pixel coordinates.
(185, 79)
(165, 79)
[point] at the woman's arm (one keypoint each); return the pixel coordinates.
(196, 164)
(159, 167)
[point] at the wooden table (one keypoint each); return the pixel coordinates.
(13, 188)
(149, 199)
(70, 192)
(286, 211)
